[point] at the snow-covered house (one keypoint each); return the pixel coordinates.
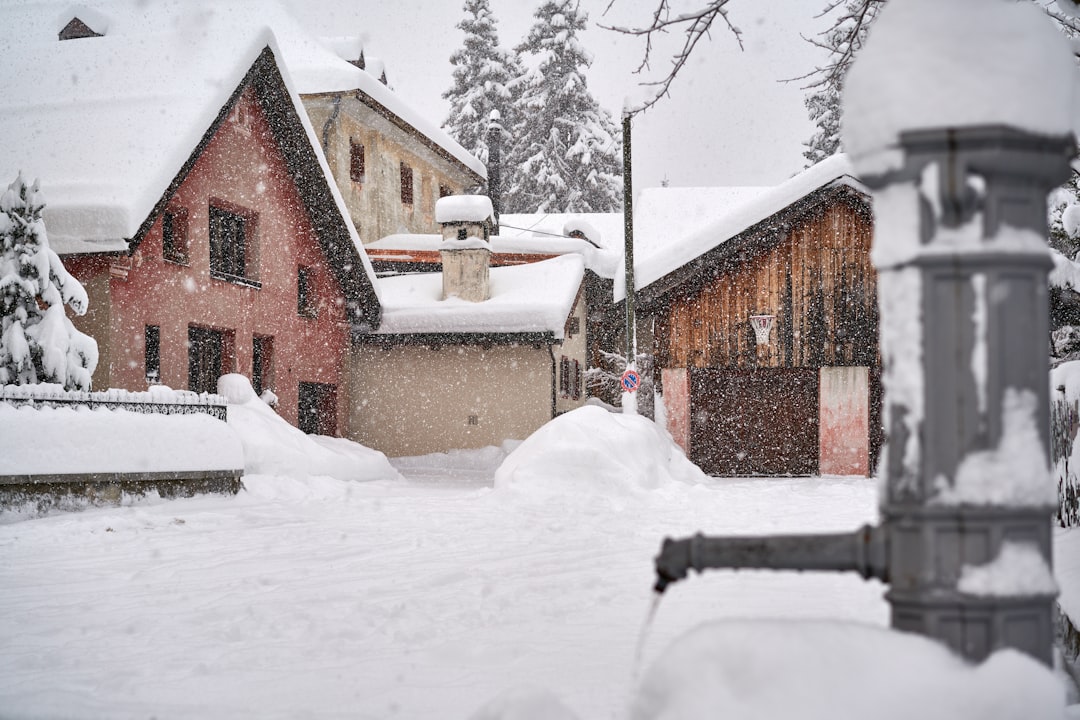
(472, 355)
(187, 192)
(805, 400)
(529, 238)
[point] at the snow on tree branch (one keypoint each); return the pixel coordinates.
(38, 342)
(695, 25)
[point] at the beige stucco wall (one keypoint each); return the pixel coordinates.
(575, 348)
(375, 204)
(415, 400)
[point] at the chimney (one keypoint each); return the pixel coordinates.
(465, 250)
(494, 168)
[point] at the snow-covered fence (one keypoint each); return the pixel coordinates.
(157, 401)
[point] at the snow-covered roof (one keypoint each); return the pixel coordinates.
(600, 260)
(530, 298)
(106, 123)
(660, 253)
(549, 233)
(932, 64)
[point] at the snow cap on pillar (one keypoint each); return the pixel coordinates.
(466, 253)
(933, 64)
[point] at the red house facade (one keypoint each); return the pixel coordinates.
(246, 264)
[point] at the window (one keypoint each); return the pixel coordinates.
(317, 408)
(232, 236)
(406, 185)
(306, 297)
(573, 326)
(569, 378)
(262, 363)
(174, 235)
(206, 350)
(152, 354)
(356, 161)
(445, 191)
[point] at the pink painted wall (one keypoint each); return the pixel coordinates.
(676, 384)
(242, 167)
(844, 425)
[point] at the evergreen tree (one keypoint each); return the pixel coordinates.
(484, 76)
(842, 40)
(38, 343)
(566, 154)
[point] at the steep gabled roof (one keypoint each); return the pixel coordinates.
(111, 125)
(665, 265)
(325, 208)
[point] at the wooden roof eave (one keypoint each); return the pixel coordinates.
(755, 239)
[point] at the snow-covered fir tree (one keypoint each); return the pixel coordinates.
(38, 342)
(484, 76)
(842, 40)
(567, 154)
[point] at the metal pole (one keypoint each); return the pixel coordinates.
(628, 233)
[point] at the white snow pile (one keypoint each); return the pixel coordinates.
(463, 208)
(1016, 472)
(822, 670)
(932, 64)
(64, 440)
(525, 703)
(1018, 570)
(594, 452)
(272, 446)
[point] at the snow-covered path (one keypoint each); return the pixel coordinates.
(423, 598)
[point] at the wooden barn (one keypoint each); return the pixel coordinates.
(804, 397)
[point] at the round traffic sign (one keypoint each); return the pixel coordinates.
(630, 380)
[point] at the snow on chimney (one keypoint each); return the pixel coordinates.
(466, 253)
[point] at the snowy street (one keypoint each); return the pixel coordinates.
(417, 598)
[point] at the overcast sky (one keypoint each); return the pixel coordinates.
(729, 119)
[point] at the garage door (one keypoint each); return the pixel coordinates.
(754, 422)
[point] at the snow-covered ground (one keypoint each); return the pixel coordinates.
(469, 586)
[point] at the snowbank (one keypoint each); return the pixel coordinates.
(274, 447)
(55, 441)
(592, 451)
(821, 670)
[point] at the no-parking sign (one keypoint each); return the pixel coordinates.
(630, 380)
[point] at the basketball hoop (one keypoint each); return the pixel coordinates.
(762, 325)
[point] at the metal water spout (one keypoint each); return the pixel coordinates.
(961, 256)
(862, 551)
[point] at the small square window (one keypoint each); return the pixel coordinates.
(356, 161)
(174, 235)
(406, 184)
(573, 326)
(445, 191)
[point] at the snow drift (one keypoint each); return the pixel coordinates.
(274, 447)
(591, 450)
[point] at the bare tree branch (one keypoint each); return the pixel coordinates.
(694, 25)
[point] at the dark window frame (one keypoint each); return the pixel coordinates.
(307, 292)
(357, 161)
(233, 248)
(152, 353)
(174, 235)
(407, 184)
(262, 363)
